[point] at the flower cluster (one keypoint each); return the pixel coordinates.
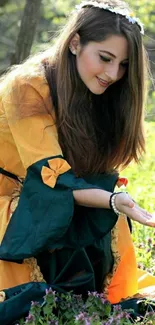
(71, 309)
(121, 11)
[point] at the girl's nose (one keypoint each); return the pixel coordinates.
(112, 74)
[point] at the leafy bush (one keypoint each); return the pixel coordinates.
(70, 309)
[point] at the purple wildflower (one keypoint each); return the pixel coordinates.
(87, 322)
(117, 308)
(35, 303)
(30, 318)
(50, 291)
(105, 301)
(110, 321)
(93, 294)
(81, 316)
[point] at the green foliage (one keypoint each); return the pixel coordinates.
(71, 309)
(150, 112)
(53, 15)
(142, 188)
(145, 10)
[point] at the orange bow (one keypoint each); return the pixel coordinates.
(57, 166)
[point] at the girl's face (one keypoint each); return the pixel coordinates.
(100, 64)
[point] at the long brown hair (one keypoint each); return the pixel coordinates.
(98, 133)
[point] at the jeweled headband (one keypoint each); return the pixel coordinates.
(121, 11)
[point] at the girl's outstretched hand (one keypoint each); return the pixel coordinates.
(126, 205)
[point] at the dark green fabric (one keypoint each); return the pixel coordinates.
(138, 308)
(78, 270)
(18, 301)
(47, 219)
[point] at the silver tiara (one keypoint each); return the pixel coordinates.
(124, 12)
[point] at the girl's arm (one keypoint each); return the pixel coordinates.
(93, 198)
(97, 198)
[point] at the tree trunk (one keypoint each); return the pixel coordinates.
(3, 3)
(27, 31)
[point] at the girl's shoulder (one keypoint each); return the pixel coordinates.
(26, 84)
(23, 75)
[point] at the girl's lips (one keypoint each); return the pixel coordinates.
(103, 83)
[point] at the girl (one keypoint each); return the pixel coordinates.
(70, 119)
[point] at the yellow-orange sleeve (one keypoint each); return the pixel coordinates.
(31, 124)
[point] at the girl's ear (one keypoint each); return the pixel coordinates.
(74, 45)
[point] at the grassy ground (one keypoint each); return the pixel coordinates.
(142, 188)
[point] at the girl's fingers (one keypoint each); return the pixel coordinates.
(149, 215)
(151, 222)
(146, 222)
(145, 214)
(143, 211)
(140, 215)
(133, 211)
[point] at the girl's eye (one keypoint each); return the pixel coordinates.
(104, 58)
(125, 64)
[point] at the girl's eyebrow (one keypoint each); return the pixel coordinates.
(109, 53)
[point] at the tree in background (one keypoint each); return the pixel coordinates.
(3, 2)
(27, 31)
(20, 34)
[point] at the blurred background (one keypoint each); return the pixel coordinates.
(28, 26)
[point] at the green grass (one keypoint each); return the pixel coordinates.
(142, 188)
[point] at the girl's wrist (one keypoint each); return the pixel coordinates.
(112, 203)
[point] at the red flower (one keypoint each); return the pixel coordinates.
(122, 181)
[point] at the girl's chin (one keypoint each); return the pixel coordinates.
(96, 89)
(97, 92)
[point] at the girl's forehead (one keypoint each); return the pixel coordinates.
(114, 44)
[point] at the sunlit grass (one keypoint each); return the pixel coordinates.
(142, 189)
